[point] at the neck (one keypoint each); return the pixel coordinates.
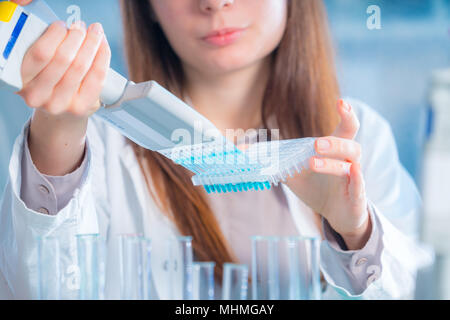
(232, 100)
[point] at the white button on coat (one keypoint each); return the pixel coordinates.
(43, 210)
(43, 189)
(374, 272)
(361, 261)
(371, 279)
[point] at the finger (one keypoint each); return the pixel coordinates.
(349, 125)
(92, 84)
(330, 166)
(42, 51)
(71, 81)
(22, 2)
(343, 149)
(356, 187)
(43, 84)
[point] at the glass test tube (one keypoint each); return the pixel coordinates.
(49, 269)
(285, 268)
(203, 280)
(91, 250)
(303, 254)
(265, 268)
(235, 281)
(135, 268)
(180, 266)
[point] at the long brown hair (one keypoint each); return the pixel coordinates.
(301, 94)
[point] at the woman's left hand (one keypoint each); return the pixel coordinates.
(334, 184)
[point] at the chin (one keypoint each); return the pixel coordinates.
(228, 60)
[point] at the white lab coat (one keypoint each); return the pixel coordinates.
(114, 200)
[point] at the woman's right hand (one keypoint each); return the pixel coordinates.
(64, 70)
(63, 74)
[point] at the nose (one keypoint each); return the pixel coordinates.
(209, 6)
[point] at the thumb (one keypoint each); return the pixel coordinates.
(357, 185)
(349, 125)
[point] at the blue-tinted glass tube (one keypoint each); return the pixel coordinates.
(135, 267)
(91, 250)
(303, 255)
(235, 281)
(265, 268)
(203, 280)
(180, 265)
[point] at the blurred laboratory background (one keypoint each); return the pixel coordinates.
(401, 69)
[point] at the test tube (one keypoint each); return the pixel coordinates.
(91, 250)
(135, 268)
(180, 266)
(285, 268)
(203, 280)
(49, 268)
(265, 268)
(235, 281)
(303, 255)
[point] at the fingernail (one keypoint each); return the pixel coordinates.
(323, 144)
(347, 169)
(347, 107)
(319, 163)
(75, 25)
(61, 23)
(79, 25)
(97, 28)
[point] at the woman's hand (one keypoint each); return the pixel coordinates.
(63, 74)
(64, 70)
(334, 185)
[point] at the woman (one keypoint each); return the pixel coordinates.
(243, 64)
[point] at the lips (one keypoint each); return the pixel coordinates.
(224, 37)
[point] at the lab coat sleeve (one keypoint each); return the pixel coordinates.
(20, 227)
(352, 263)
(46, 193)
(394, 204)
